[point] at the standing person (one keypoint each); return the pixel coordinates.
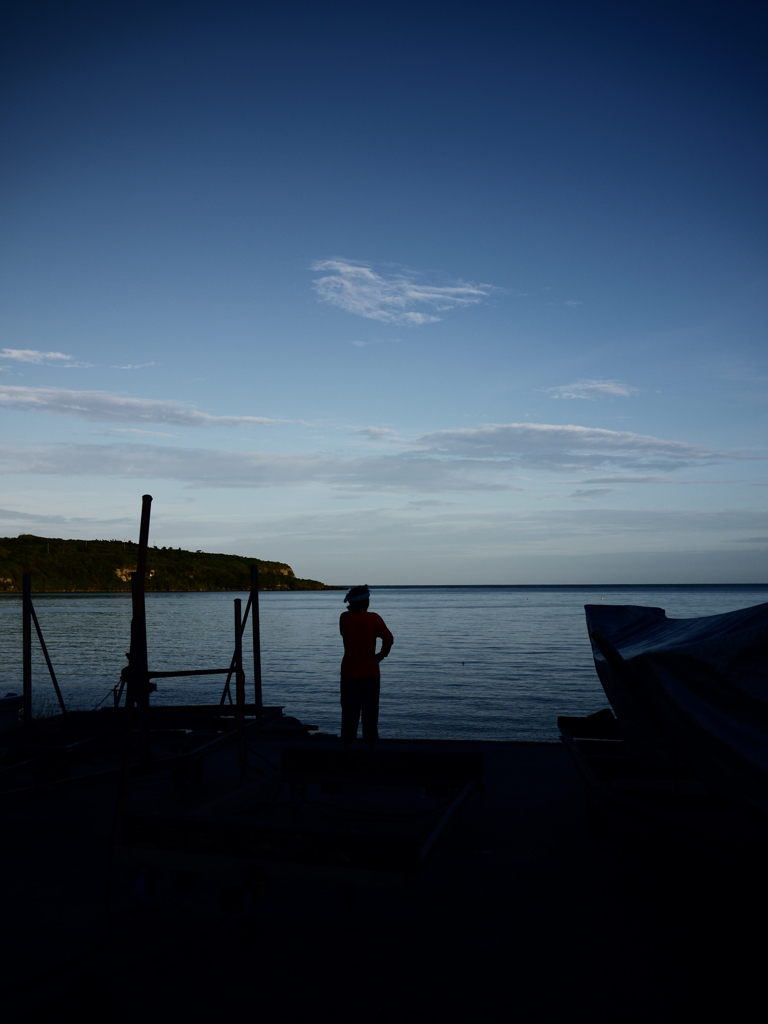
(360, 675)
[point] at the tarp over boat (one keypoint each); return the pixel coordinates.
(697, 686)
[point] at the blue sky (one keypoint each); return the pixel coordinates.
(473, 294)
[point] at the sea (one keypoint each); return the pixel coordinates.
(474, 662)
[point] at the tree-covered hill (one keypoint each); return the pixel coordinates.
(58, 566)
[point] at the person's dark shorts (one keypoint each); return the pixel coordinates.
(360, 697)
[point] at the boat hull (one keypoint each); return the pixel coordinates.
(696, 687)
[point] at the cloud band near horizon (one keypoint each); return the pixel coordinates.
(477, 459)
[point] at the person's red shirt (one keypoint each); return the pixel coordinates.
(360, 630)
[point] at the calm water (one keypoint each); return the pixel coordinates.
(468, 662)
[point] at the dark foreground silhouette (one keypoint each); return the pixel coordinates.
(522, 913)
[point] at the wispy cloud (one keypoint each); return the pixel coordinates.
(375, 341)
(32, 355)
(134, 366)
(587, 493)
(210, 467)
(105, 407)
(57, 521)
(378, 433)
(490, 458)
(573, 302)
(420, 503)
(555, 447)
(395, 298)
(593, 389)
(137, 430)
(660, 478)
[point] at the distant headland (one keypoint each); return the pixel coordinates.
(99, 566)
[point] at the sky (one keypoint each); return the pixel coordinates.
(420, 294)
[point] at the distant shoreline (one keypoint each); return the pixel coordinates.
(561, 586)
(151, 593)
(58, 566)
(411, 586)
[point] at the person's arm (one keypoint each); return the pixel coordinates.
(386, 641)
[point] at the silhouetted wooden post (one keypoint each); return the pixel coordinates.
(256, 640)
(26, 640)
(239, 685)
(138, 655)
(47, 657)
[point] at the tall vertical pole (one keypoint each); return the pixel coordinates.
(239, 685)
(26, 639)
(141, 563)
(256, 639)
(138, 655)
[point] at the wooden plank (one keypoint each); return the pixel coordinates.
(278, 842)
(445, 820)
(172, 860)
(176, 762)
(165, 715)
(241, 800)
(427, 768)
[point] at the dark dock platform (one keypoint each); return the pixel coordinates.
(521, 912)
